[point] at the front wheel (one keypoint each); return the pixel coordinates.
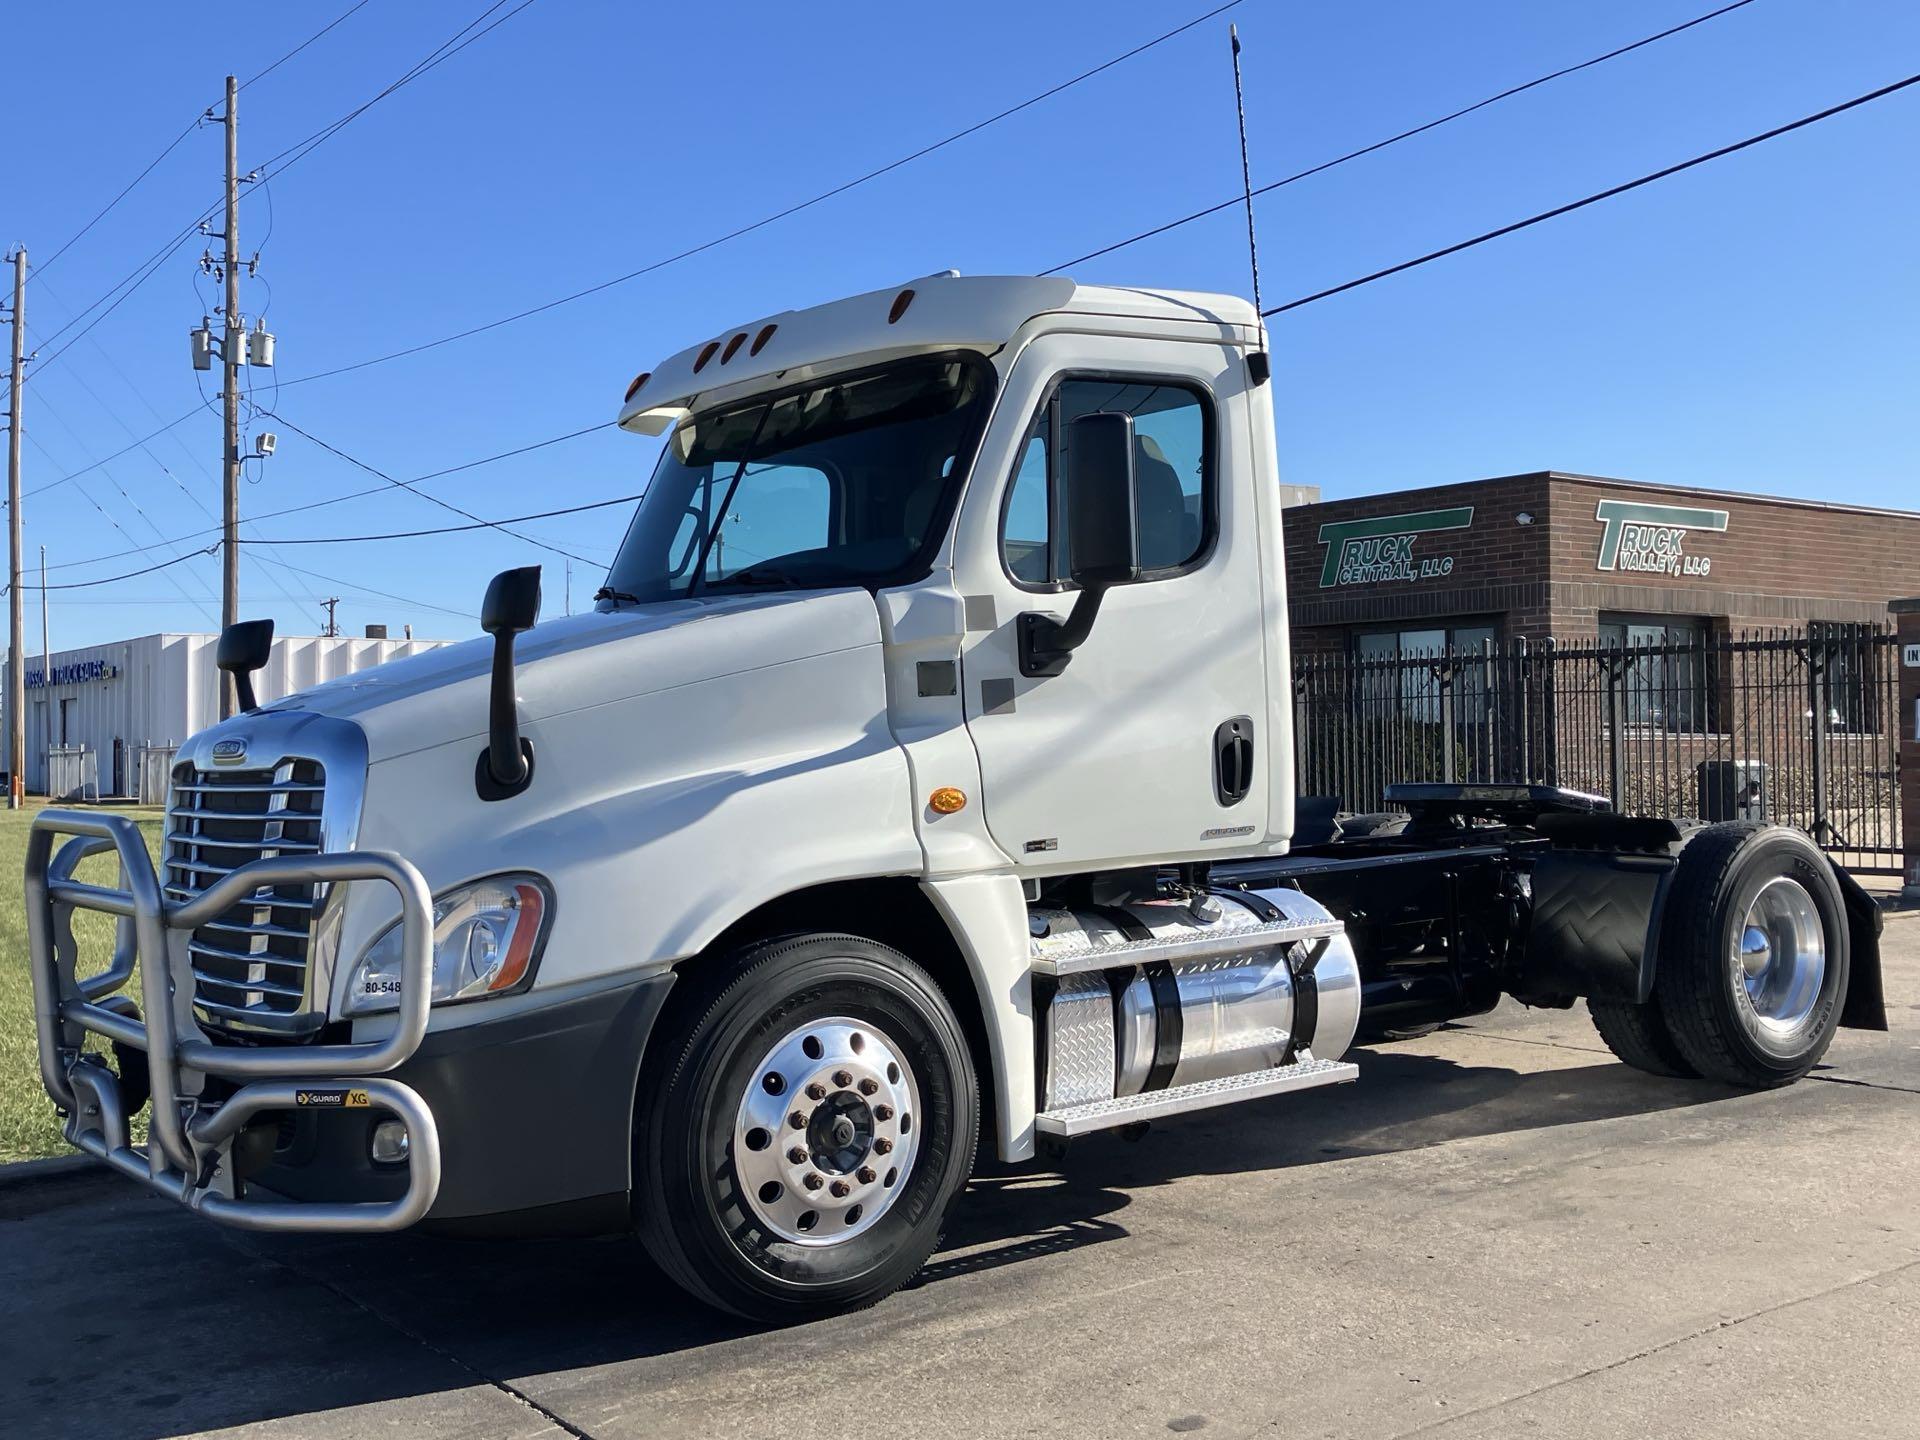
(813, 1124)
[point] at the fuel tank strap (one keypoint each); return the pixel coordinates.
(1301, 959)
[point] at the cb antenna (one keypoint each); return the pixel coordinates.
(1246, 171)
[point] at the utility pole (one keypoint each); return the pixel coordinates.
(569, 586)
(332, 629)
(16, 658)
(230, 356)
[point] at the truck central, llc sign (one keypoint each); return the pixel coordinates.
(1652, 539)
(1385, 548)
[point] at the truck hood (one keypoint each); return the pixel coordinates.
(582, 661)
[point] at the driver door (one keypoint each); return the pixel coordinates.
(1119, 758)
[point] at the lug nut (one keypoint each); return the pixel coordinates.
(840, 1189)
(813, 1181)
(843, 1078)
(883, 1112)
(866, 1175)
(869, 1085)
(798, 1154)
(816, 1091)
(797, 1120)
(883, 1146)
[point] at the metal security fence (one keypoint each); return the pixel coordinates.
(73, 773)
(153, 771)
(1797, 727)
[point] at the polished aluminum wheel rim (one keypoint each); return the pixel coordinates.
(1780, 958)
(827, 1132)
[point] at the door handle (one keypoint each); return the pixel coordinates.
(1233, 760)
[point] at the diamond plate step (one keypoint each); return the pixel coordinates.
(1203, 946)
(1153, 1104)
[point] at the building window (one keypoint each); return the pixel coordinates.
(1401, 669)
(1668, 676)
(1856, 680)
(1172, 477)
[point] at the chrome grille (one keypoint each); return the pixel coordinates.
(250, 967)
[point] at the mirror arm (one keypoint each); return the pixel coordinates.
(1046, 644)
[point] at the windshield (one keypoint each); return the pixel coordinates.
(849, 481)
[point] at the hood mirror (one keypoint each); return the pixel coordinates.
(512, 605)
(245, 646)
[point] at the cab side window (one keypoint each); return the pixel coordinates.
(1172, 476)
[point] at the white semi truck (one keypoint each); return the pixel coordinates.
(920, 784)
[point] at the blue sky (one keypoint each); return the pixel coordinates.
(1749, 325)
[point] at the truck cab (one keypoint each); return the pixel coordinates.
(920, 782)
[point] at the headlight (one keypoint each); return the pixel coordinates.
(485, 937)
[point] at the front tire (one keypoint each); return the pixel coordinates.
(812, 1124)
(1753, 964)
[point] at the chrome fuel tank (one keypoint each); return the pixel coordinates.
(1126, 1029)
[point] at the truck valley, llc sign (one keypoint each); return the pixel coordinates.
(1383, 549)
(1652, 539)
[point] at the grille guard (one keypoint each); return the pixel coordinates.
(189, 1153)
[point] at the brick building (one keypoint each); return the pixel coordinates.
(1526, 556)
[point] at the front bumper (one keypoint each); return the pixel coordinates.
(204, 1095)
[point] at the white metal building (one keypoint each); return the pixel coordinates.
(127, 698)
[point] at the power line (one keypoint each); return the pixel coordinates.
(439, 55)
(85, 469)
(1379, 145)
(412, 489)
(778, 215)
(456, 529)
(1598, 196)
(174, 143)
(141, 273)
(382, 489)
(344, 15)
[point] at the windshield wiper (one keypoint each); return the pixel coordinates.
(607, 592)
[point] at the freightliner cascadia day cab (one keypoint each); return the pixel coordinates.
(919, 786)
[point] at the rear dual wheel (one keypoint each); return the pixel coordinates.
(815, 1120)
(1753, 963)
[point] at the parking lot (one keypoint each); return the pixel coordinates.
(1499, 1231)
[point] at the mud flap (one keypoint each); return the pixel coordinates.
(1866, 1007)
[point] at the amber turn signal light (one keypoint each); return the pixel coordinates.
(946, 800)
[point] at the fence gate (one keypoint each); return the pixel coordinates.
(1796, 727)
(155, 772)
(73, 773)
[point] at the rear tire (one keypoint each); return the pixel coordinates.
(1753, 965)
(781, 1221)
(1638, 1036)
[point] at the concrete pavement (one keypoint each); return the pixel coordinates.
(1498, 1232)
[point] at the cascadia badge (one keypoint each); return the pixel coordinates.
(229, 752)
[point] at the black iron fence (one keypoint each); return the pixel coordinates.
(1796, 727)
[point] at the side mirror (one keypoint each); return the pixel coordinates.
(512, 605)
(1102, 524)
(244, 647)
(1103, 537)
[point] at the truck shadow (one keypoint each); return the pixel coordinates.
(423, 1316)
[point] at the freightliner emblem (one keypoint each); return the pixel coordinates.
(229, 752)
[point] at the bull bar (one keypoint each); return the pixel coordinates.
(189, 1153)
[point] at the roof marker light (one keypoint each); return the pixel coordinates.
(638, 381)
(732, 345)
(900, 304)
(706, 354)
(760, 340)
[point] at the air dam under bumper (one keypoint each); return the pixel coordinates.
(534, 1112)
